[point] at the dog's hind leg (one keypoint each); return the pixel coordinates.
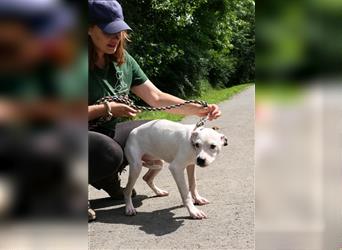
(154, 165)
(197, 199)
(149, 177)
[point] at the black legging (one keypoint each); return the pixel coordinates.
(106, 156)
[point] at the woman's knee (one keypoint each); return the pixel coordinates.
(105, 155)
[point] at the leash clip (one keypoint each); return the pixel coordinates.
(201, 122)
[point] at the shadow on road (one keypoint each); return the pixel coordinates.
(159, 222)
(105, 202)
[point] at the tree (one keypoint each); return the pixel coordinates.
(180, 42)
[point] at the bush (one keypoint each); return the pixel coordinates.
(178, 43)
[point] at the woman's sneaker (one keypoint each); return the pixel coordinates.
(114, 189)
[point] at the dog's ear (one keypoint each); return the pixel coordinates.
(215, 128)
(193, 137)
(224, 140)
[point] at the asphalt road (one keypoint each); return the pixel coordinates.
(163, 223)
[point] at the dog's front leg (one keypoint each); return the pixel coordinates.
(197, 199)
(178, 175)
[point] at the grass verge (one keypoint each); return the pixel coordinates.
(210, 95)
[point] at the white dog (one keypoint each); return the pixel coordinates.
(182, 147)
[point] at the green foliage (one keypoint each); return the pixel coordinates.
(243, 40)
(299, 40)
(221, 69)
(178, 43)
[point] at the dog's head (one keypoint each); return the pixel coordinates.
(207, 143)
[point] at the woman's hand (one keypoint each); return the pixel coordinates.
(117, 110)
(122, 110)
(212, 110)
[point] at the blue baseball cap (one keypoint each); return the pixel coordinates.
(107, 15)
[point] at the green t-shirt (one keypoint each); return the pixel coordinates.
(114, 80)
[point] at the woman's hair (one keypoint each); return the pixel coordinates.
(118, 56)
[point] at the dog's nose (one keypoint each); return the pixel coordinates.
(200, 161)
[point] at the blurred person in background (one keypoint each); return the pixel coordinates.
(298, 125)
(114, 72)
(41, 100)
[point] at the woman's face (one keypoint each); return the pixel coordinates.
(104, 42)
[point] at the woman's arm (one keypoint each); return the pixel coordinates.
(117, 109)
(156, 98)
(96, 111)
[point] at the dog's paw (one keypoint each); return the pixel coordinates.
(197, 214)
(130, 211)
(199, 200)
(161, 192)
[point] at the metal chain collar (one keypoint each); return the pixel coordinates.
(125, 100)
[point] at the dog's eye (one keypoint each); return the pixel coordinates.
(197, 145)
(212, 146)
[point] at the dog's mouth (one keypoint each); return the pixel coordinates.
(202, 165)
